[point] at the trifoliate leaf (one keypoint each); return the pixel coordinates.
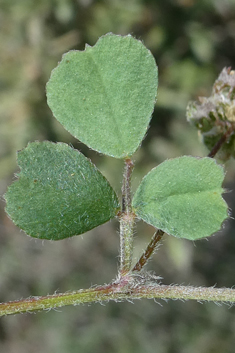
(59, 193)
(182, 196)
(105, 95)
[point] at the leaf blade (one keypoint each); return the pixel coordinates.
(105, 95)
(182, 197)
(59, 192)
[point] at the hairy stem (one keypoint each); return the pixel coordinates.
(126, 221)
(126, 186)
(118, 292)
(149, 250)
(224, 138)
(126, 240)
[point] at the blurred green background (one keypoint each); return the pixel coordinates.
(192, 41)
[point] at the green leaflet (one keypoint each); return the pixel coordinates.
(105, 95)
(59, 193)
(182, 196)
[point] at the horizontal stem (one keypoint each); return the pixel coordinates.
(118, 292)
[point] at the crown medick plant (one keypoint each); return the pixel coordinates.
(104, 96)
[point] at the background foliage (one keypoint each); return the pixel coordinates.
(192, 41)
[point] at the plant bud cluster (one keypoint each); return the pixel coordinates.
(214, 117)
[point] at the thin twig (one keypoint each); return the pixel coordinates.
(149, 250)
(220, 143)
